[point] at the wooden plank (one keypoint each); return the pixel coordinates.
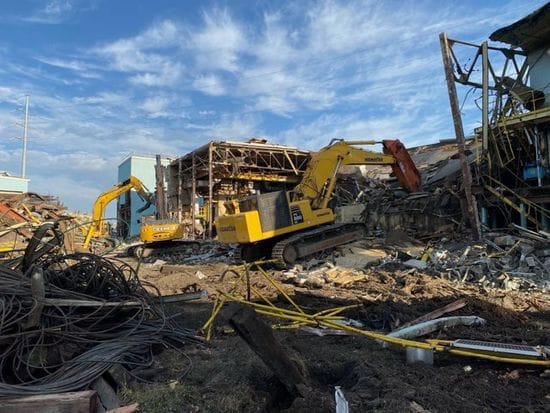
(131, 408)
(259, 336)
(73, 402)
(455, 305)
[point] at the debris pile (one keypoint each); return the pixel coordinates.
(502, 261)
(432, 213)
(21, 214)
(198, 252)
(71, 318)
(345, 266)
(425, 215)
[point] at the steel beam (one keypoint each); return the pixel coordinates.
(473, 215)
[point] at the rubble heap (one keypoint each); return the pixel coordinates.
(501, 261)
(21, 214)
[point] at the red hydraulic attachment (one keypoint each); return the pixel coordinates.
(403, 168)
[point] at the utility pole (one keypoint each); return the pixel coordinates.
(471, 202)
(25, 137)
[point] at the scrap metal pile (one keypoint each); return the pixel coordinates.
(199, 252)
(434, 212)
(500, 261)
(21, 214)
(68, 318)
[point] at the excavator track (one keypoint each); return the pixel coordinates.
(305, 243)
(253, 252)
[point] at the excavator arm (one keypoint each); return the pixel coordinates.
(98, 227)
(319, 179)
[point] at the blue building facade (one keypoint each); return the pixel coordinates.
(128, 217)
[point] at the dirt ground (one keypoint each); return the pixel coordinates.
(226, 376)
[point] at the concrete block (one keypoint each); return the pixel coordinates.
(530, 261)
(418, 264)
(505, 241)
(349, 214)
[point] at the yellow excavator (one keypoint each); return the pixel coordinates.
(288, 225)
(155, 231)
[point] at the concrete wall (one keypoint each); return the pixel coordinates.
(539, 71)
(143, 168)
(12, 184)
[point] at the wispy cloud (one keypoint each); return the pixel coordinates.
(57, 11)
(84, 69)
(219, 42)
(142, 56)
(210, 84)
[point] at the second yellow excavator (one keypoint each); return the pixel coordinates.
(154, 233)
(289, 225)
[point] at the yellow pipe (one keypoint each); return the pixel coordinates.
(264, 306)
(327, 317)
(30, 214)
(334, 311)
(274, 284)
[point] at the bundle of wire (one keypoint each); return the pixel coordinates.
(71, 344)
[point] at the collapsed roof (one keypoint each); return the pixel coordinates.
(530, 33)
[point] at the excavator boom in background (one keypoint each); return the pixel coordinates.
(154, 233)
(98, 227)
(293, 224)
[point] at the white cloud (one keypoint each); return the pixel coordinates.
(54, 12)
(340, 27)
(9, 94)
(167, 74)
(277, 46)
(218, 43)
(156, 107)
(57, 11)
(143, 55)
(210, 84)
(78, 161)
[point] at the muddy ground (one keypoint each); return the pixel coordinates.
(226, 376)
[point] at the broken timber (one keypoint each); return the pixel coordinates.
(259, 336)
(73, 402)
(457, 120)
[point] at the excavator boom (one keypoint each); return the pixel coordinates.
(98, 225)
(319, 179)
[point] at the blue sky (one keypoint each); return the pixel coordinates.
(107, 78)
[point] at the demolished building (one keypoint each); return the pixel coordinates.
(511, 175)
(202, 183)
